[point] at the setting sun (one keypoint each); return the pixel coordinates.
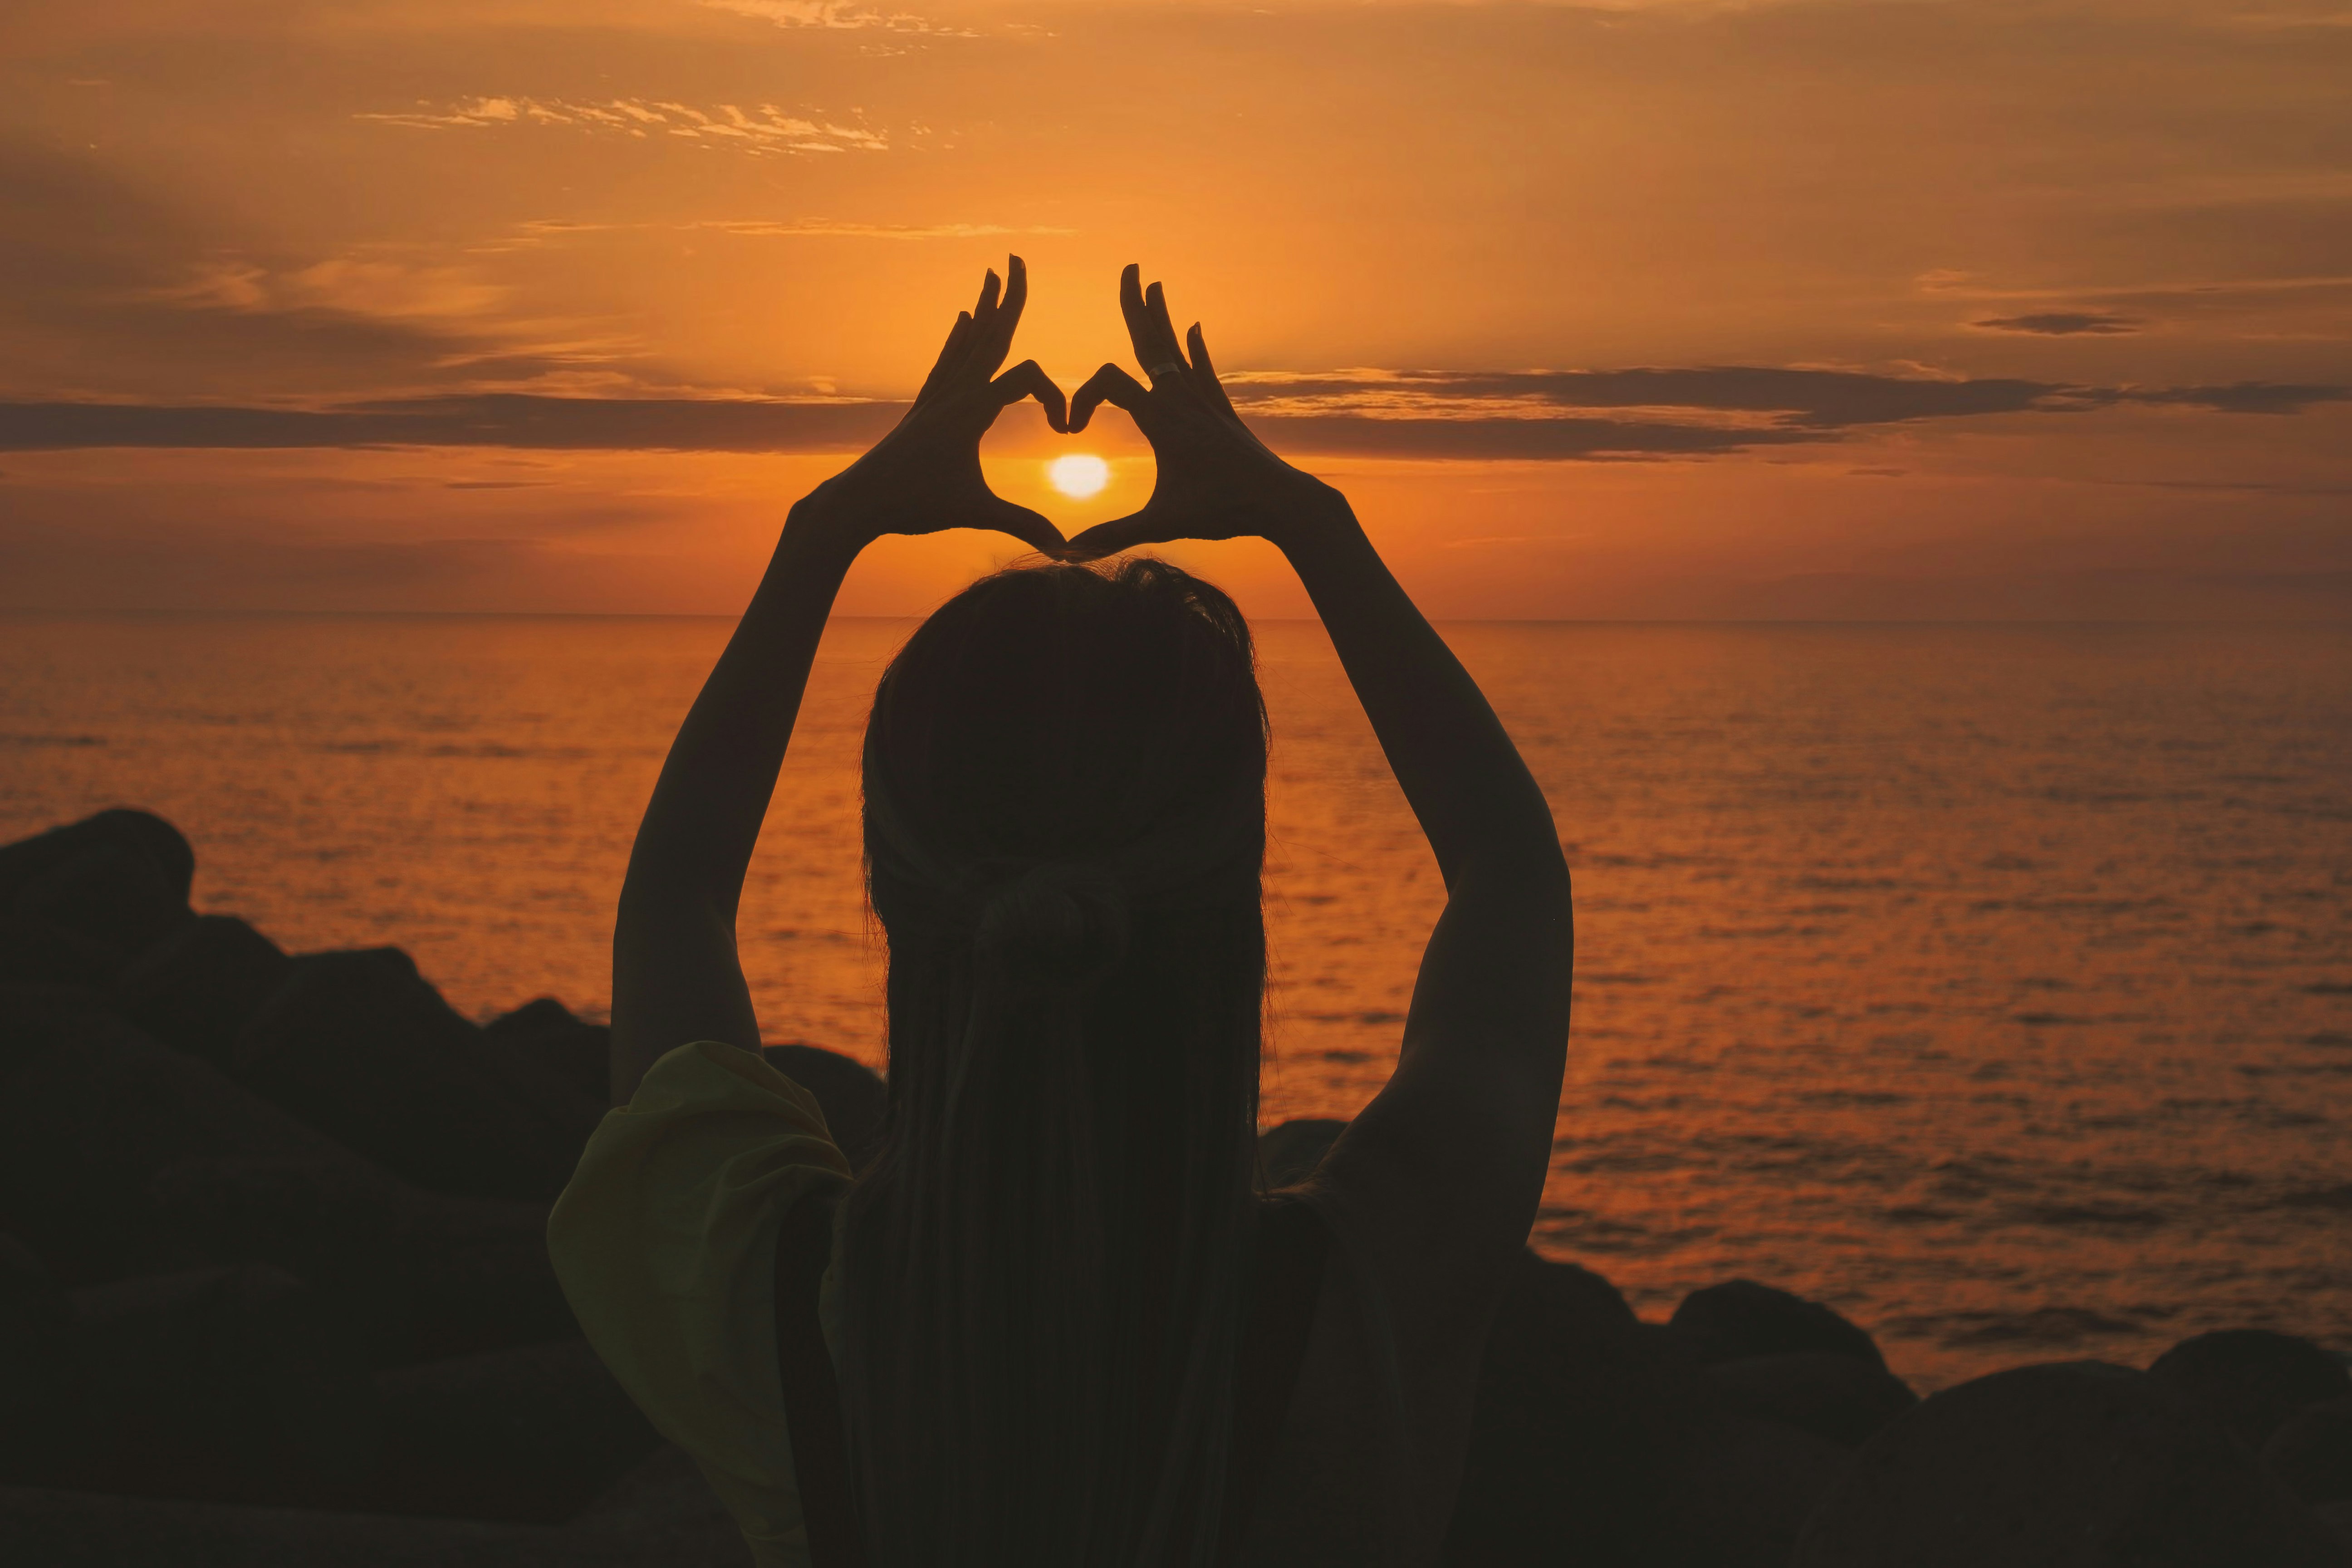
(1081, 474)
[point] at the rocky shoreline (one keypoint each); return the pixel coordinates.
(275, 1291)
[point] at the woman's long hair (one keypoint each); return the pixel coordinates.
(1045, 1267)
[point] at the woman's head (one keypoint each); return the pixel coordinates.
(1064, 822)
(1059, 719)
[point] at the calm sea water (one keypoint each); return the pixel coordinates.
(1993, 983)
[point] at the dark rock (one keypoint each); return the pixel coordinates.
(855, 1102)
(96, 1108)
(357, 1045)
(107, 894)
(1580, 1423)
(662, 1514)
(141, 833)
(35, 953)
(224, 1382)
(2312, 1452)
(197, 987)
(1742, 1491)
(531, 1433)
(1740, 1319)
(2075, 1463)
(665, 1503)
(2251, 1380)
(126, 1157)
(420, 1276)
(36, 1387)
(1833, 1396)
(2338, 1517)
(1289, 1154)
(546, 1034)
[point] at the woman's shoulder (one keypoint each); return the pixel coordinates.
(664, 1245)
(705, 1148)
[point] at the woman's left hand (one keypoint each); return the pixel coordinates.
(925, 476)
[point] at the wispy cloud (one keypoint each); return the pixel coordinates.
(2315, 300)
(845, 16)
(1549, 416)
(763, 129)
(1731, 398)
(2063, 324)
(383, 288)
(542, 229)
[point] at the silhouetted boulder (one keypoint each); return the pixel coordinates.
(568, 1049)
(2249, 1381)
(95, 1107)
(1837, 1397)
(1580, 1429)
(2312, 1452)
(529, 1434)
(35, 953)
(855, 1102)
(36, 1390)
(108, 894)
(662, 1514)
(227, 1382)
(1740, 1318)
(419, 1276)
(1741, 1491)
(141, 833)
(197, 987)
(357, 1045)
(664, 1504)
(2077, 1463)
(1289, 1154)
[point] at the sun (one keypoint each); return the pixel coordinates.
(1081, 474)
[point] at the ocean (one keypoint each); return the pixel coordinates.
(1992, 983)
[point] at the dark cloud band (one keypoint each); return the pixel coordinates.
(1532, 416)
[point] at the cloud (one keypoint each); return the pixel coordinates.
(108, 290)
(541, 229)
(1542, 416)
(828, 227)
(1749, 398)
(845, 16)
(762, 130)
(2063, 324)
(2244, 396)
(490, 420)
(385, 287)
(2233, 304)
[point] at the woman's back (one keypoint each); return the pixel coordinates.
(1052, 1284)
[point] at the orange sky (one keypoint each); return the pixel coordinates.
(1860, 308)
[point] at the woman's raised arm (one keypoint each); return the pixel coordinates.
(676, 976)
(1453, 1154)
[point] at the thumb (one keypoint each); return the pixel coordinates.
(1030, 528)
(1149, 526)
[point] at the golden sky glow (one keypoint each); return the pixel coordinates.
(1821, 307)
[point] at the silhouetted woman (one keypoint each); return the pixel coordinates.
(1055, 1323)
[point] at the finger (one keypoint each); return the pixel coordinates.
(1129, 532)
(1113, 385)
(1138, 322)
(1030, 528)
(1028, 379)
(950, 354)
(975, 325)
(1205, 374)
(996, 335)
(1164, 350)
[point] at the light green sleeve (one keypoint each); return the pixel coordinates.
(665, 1245)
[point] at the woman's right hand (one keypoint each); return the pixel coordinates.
(1216, 479)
